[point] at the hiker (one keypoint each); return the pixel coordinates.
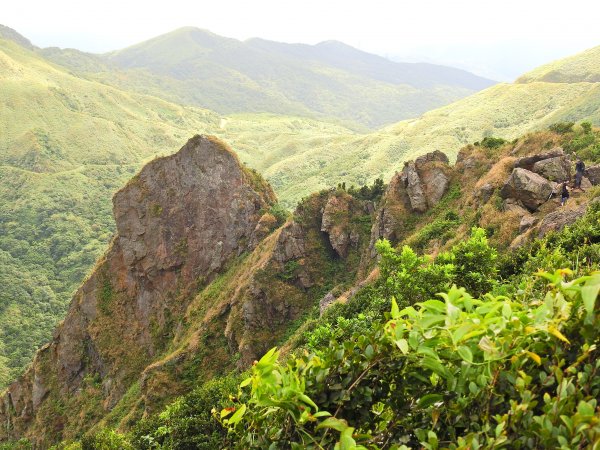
(564, 194)
(579, 169)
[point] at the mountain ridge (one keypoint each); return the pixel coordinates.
(197, 67)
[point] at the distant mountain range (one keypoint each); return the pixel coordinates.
(329, 80)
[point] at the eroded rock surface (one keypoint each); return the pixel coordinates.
(557, 169)
(178, 223)
(527, 187)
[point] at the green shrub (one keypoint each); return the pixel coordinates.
(469, 373)
(562, 127)
(492, 142)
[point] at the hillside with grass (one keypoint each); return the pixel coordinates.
(68, 143)
(329, 80)
(369, 354)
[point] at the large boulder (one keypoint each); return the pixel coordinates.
(593, 174)
(527, 162)
(556, 169)
(527, 187)
(433, 172)
(557, 220)
(426, 180)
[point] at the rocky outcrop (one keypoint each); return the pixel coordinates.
(527, 221)
(335, 222)
(557, 169)
(179, 221)
(414, 188)
(527, 162)
(426, 180)
(593, 174)
(527, 187)
(434, 170)
(557, 220)
(420, 186)
(514, 206)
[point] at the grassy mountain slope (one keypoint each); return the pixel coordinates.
(573, 69)
(357, 366)
(67, 143)
(505, 110)
(330, 80)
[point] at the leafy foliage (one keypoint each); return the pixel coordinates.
(562, 127)
(459, 373)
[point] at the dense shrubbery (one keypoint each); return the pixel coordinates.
(562, 127)
(458, 373)
(492, 142)
(366, 192)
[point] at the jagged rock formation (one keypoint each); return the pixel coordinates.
(179, 221)
(557, 169)
(419, 187)
(342, 234)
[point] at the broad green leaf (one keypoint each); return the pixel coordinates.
(395, 310)
(429, 399)
(237, 416)
(461, 331)
(333, 423)
(347, 442)
(402, 345)
(431, 319)
(434, 305)
(506, 310)
(435, 366)
(465, 353)
(589, 294)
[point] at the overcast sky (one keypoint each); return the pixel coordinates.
(499, 38)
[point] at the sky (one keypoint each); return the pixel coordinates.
(498, 39)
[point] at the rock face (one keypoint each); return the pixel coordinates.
(527, 187)
(559, 219)
(557, 169)
(527, 162)
(593, 174)
(419, 186)
(178, 223)
(338, 209)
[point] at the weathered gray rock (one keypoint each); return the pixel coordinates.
(333, 223)
(519, 241)
(326, 302)
(290, 244)
(527, 162)
(514, 206)
(414, 188)
(527, 221)
(484, 193)
(557, 169)
(593, 174)
(557, 220)
(433, 173)
(527, 187)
